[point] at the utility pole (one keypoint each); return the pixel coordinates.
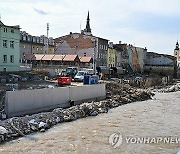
(47, 37)
(94, 57)
(47, 41)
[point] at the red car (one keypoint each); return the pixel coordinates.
(64, 80)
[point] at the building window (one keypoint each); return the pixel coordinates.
(24, 38)
(4, 58)
(4, 69)
(34, 39)
(85, 54)
(37, 49)
(29, 38)
(11, 44)
(5, 43)
(5, 30)
(24, 46)
(12, 30)
(12, 58)
(37, 39)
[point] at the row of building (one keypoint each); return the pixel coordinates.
(17, 47)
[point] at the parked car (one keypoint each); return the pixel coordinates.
(63, 73)
(88, 70)
(71, 71)
(80, 76)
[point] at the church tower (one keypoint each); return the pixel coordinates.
(87, 30)
(177, 52)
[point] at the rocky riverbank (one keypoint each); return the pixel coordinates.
(117, 94)
(171, 88)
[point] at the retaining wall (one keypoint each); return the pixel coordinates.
(24, 102)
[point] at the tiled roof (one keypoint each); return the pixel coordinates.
(58, 57)
(38, 56)
(66, 58)
(77, 41)
(48, 57)
(86, 59)
(1, 23)
(70, 57)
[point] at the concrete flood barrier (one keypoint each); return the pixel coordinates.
(22, 102)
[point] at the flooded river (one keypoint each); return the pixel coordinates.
(153, 120)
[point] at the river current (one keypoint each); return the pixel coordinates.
(155, 122)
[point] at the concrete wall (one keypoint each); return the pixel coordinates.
(32, 101)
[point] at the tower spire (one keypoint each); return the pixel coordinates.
(177, 45)
(87, 30)
(88, 16)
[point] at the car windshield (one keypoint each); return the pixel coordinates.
(80, 73)
(69, 70)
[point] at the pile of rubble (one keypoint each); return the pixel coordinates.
(117, 94)
(172, 88)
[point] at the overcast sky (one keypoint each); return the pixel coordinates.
(154, 24)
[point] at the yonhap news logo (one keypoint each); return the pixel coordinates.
(116, 139)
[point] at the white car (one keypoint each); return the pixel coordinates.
(80, 76)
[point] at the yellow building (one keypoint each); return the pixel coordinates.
(40, 49)
(111, 60)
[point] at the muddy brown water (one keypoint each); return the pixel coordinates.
(159, 117)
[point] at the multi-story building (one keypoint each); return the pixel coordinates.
(141, 55)
(161, 64)
(130, 57)
(137, 57)
(121, 54)
(9, 48)
(130, 54)
(102, 49)
(35, 45)
(83, 44)
(111, 60)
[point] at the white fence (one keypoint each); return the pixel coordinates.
(24, 102)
